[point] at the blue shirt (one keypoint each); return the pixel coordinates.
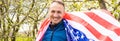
(58, 33)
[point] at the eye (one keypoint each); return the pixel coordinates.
(52, 11)
(58, 11)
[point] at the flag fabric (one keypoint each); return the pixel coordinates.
(74, 34)
(94, 25)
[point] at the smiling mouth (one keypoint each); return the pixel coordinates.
(55, 19)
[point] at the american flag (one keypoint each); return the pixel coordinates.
(74, 34)
(94, 25)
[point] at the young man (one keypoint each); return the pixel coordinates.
(58, 29)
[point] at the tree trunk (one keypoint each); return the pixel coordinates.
(102, 4)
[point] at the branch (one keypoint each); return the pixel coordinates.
(25, 15)
(42, 11)
(116, 6)
(102, 4)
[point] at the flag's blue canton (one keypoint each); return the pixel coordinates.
(74, 34)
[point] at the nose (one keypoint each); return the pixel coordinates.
(55, 14)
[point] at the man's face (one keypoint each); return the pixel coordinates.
(56, 12)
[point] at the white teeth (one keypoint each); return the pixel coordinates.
(55, 19)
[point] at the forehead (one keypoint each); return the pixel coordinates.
(56, 6)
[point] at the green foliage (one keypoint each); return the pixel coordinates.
(24, 39)
(111, 5)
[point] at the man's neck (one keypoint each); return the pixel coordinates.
(52, 25)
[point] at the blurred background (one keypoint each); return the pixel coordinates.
(21, 19)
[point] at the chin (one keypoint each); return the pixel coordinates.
(55, 22)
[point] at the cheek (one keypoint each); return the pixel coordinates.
(62, 15)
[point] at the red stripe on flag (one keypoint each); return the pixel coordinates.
(103, 22)
(97, 34)
(117, 31)
(43, 25)
(88, 26)
(42, 28)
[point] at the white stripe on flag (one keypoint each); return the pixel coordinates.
(98, 27)
(103, 22)
(80, 27)
(106, 17)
